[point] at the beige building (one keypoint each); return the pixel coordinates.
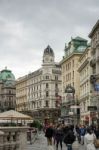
(94, 35)
(21, 94)
(94, 78)
(40, 91)
(70, 75)
(85, 99)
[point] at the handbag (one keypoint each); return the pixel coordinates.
(96, 143)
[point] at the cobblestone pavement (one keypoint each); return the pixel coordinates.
(41, 144)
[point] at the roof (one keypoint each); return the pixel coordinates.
(12, 114)
(94, 28)
(6, 75)
(48, 51)
(78, 38)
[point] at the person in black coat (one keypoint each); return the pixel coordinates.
(59, 136)
(96, 131)
(69, 139)
(49, 134)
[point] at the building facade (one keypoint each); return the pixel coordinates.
(42, 89)
(21, 94)
(7, 90)
(94, 63)
(85, 99)
(70, 75)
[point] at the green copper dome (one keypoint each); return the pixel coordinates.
(7, 76)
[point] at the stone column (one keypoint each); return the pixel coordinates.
(1, 140)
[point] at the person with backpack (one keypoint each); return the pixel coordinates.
(69, 138)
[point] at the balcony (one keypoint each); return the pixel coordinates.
(13, 138)
(93, 62)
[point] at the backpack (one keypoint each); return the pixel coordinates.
(82, 131)
(69, 138)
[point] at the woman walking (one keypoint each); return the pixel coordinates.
(89, 139)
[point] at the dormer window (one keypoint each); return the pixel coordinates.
(47, 77)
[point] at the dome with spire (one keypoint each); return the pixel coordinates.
(48, 51)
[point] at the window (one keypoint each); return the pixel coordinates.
(9, 91)
(47, 77)
(46, 103)
(56, 77)
(56, 94)
(73, 74)
(56, 85)
(47, 93)
(47, 85)
(73, 63)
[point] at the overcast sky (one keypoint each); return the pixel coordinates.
(28, 26)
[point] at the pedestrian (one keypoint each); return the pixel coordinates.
(49, 134)
(96, 131)
(89, 139)
(78, 133)
(69, 138)
(82, 133)
(59, 136)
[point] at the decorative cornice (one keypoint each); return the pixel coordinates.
(94, 29)
(68, 57)
(84, 64)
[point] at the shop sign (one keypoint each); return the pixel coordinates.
(92, 108)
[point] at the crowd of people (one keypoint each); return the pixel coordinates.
(85, 135)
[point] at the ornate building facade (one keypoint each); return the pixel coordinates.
(94, 63)
(42, 89)
(7, 90)
(70, 75)
(85, 99)
(21, 94)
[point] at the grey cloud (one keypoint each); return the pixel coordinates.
(28, 26)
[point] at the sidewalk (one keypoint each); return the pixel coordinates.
(41, 144)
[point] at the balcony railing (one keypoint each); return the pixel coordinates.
(13, 138)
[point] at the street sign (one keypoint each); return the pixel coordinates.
(92, 108)
(75, 106)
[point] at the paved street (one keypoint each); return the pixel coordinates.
(41, 144)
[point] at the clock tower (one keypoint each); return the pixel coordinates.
(48, 56)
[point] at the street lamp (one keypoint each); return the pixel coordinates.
(70, 91)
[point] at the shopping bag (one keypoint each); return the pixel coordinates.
(96, 143)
